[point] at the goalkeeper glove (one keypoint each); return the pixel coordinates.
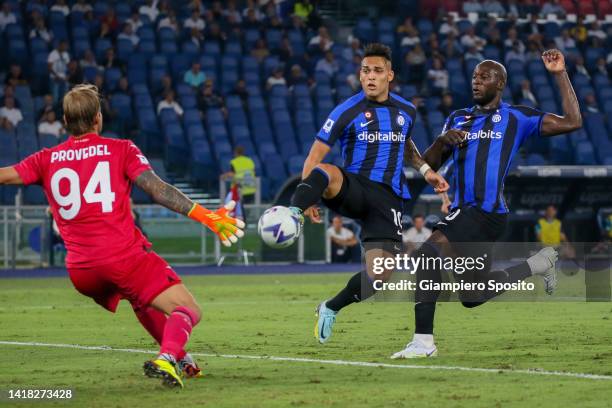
(228, 229)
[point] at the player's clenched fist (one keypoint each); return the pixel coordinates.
(553, 61)
(453, 137)
(438, 182)
(227, 228)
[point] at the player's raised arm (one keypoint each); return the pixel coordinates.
(442, 148)
(228, 229)
(317, 153)
(553, 124)
(413, 157)
(8, 175)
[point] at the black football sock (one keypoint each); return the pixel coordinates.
(310, 190)
(357, 289)
(425, 307)
(511, 275)
(424, 317)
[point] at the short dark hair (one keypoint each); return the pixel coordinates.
(377, 50)
(418, 216)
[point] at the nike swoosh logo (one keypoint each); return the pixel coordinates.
(322, 330)
(462, 123)
(433, 351)
(442, 223)
(366, 124)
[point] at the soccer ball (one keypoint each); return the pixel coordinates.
(279, 227)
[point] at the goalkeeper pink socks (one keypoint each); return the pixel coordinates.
(177, 330)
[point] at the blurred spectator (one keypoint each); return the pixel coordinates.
(128, 34)
(166, 86)
(217, 10)
(276, 78)
(50, 125)
(89, 60)
(512, 39)
(48, 105)
(15, 76)
(548, 229)
(195, 21)
(110, 20)
(209, 98)
(251, 8)
(414, 237)
(493, 6)
(231, 12)
(411, 38)
(533, 52)
(415, 61)
(215, 34)
(297, 24)
(6, 16)
(81, 6)
(565, 42)
(107, 113)
(123, 86)
(579, 32)
(552, 7)
(196, 37)
(169, 103)
(74, 73)
(169, 21)
(328, 64)
(353, 81)
(57, 62)
(495, 39)
(419, 103)
(353, 49)
(596, 31)
(40, 30)
(194, 77)
(579, 67)
(321, 42)
(9, 92)
(600, 66)
(473, 53)
(590, 104)
(515, 53)
(243, 174)
(525, 93)
(260, 51)
(472, 6)
(60, 6)
(197, 6)
(342, 240)
(150, 10)
(447, 105)
(110, 60)
(296, 76)
(531, 29)
(529, 7)
(449, 26)
(405, 26)
(241, 91)
(512, 8)
(438, 77)
(134, 21)
(451, 47)
(10, 115)
(250, 19)
(302, 9)
(470, 39)
(285, 51)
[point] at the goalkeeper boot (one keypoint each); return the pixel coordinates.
(325, 322)
(189, 367)
(417, 348)
(165, 368)
(543, 264)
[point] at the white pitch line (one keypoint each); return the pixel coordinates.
(330, 362)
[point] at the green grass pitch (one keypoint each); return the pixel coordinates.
(273, 315)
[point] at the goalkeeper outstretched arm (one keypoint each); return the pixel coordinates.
(228, 229)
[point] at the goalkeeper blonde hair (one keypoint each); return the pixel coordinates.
(81, 105)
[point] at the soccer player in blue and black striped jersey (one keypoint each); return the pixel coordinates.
(482, 140)
(373, 128)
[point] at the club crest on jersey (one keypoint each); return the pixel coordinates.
(368, 114)
(400, 120)
(496, 118)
